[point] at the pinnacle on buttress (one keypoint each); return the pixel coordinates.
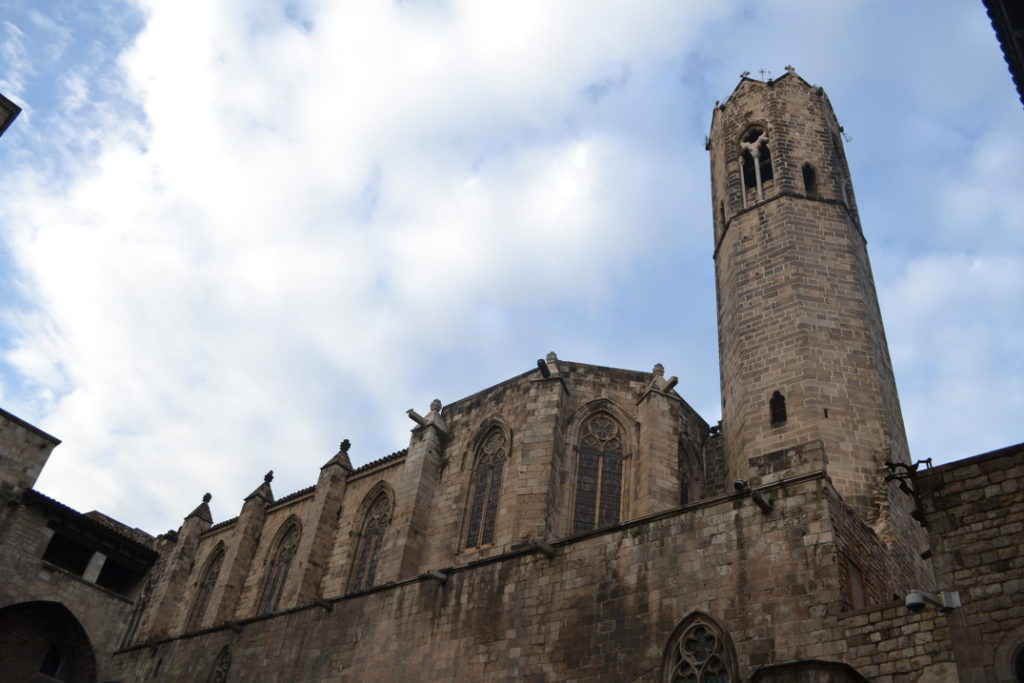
(341, 457)
(551, 360)
(202, 510)
(263, 490)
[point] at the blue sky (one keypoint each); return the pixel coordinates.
(232, 235)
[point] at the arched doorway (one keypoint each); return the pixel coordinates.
(43, 641)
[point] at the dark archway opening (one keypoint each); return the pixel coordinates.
(45, 642)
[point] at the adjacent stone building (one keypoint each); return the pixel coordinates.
(582, 523)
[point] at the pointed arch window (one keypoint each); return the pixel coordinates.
(755, 162)
(378, 518)
(486, 488)
(206, 585)
(598, 474)
(280, 564)
(141, 603)
(699, 652)
(221, 666)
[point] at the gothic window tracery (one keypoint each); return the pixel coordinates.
(599, 474)
(378, 518)
(280, 564)
(486, 489)
(206, 585)
(141, 603)
(221, 666)
(699, 652)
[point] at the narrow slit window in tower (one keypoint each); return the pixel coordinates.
(810, 180)
(777, 409)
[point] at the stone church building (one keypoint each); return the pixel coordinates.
(583, 523)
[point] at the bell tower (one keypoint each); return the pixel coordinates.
(802, 350)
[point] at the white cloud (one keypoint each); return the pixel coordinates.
(277, 227)
(17, 66)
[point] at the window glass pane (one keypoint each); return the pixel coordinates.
(586, 490)
(611, 488)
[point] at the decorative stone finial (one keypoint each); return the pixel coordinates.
(659, 370)
(744, 74)
(202, 510)
(341, 457)
(790, 69)
(268, 477)
(435, 405)
(552, 358)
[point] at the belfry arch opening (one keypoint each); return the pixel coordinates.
(755, 164)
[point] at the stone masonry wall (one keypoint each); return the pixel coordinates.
(889, 644)
(600, 609)
(975, 512)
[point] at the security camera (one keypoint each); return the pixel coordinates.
(916, 601)
(741, 485)
(945, 601)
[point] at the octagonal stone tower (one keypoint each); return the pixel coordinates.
(802, 351)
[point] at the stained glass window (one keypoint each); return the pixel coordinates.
(206, 584)
(277, 571)
(598, 475)
(486, 489)
(221, 666)
(378, 517)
